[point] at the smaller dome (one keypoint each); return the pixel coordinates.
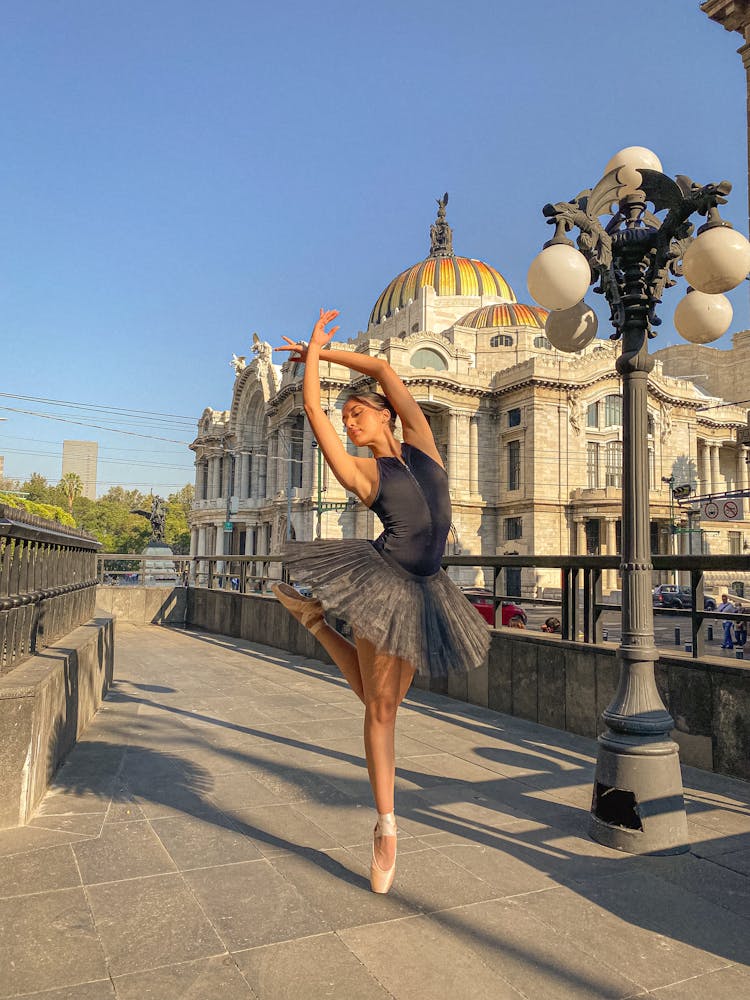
(512, 314)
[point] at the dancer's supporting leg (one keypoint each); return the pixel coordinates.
(386, 679)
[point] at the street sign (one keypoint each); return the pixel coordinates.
(228, 526)
(680, 492)
(722, 510)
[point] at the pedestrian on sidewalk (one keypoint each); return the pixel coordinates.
(405, 613)
(727, 607)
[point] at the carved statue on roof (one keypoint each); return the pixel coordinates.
(441, 234)
(262, 349)
(238, 363)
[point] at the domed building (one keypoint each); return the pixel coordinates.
(531, 437)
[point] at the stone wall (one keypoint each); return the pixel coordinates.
(45, 704)
(144, 605)
(565, 685)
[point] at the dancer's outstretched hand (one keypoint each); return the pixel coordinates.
(319, 336)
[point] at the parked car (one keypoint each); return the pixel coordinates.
(671, 595)
(484, 602)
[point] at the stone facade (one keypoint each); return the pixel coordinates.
(531, 440)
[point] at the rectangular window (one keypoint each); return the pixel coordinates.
(514, 465)
(613, 463)
(592, 415)
(592, 465)
(297, 431)
(513, 528)
(514, 417)
(735, 543)
(612, 411)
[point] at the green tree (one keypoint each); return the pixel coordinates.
(72, 487)
(177, 531)
(38, 489)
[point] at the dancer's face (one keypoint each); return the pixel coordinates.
(364, 424)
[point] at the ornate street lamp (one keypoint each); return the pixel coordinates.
(634, 254)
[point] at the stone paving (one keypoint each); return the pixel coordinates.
(209, 838)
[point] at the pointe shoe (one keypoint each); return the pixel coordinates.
(381, 879)
(308, 612)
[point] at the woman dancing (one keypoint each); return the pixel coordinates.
(405, 613)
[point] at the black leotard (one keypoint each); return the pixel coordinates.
(414, 505)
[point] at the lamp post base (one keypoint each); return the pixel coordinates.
(638, 806)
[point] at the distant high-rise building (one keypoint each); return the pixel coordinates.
(80, 457)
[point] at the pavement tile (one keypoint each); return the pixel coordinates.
(446, 969)
(67, 800)
(78, 826)
(336, 885)
(347, 821)
(48, 940)
(123, 850)
(239, 788)
(207, 979)
(145, 923)
(203, 841)
(738, 861)
(534, 958)
(653, 941)
(39, 871)
(251, 904)
(100, 990)
(724, 984)
(317, 968)
(22, 839)
(280, 829)
(506, 874)
(294, 784)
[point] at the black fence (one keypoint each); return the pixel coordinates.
(47, 583)
(580, 604)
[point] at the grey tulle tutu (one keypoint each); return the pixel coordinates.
(425, 620)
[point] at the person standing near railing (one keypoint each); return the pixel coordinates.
(405, 612)
(726, 607)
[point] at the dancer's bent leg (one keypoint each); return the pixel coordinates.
(386, 680)
(344, 655)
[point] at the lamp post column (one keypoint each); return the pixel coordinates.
(637, 808)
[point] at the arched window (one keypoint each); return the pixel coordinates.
(542, 344)
(425, 357)
(650, 425)
(501, 340)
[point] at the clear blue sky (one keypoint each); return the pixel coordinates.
(177, 174)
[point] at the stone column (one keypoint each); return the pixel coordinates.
(463, 452)
(744, 469)
(715, 448)
(474, 455)
(453, 457)
(704, 456)
(241, 484)
(581, 537)
(611, 574)
(308, 455)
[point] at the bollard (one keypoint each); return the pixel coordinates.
(677, 637)
(688, 647)
(739, 653)
(709, 633)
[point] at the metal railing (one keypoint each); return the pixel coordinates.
(581, 602)
(47, 583)
(125, 569)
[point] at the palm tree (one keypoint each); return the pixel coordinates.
(72, 487)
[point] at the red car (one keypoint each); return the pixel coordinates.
(483, 601)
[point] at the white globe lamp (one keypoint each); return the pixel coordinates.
(717, 260)
(702, 318)
(559, 276)
(628, 162)
(571, 330)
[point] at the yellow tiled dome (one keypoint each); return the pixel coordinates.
(514, 314)
(446, 273)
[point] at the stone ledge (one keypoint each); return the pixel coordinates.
(45, 704)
